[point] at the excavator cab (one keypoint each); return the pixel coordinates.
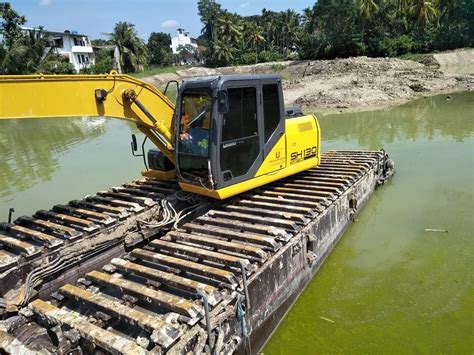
(230, 134)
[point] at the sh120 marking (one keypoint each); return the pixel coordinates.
(303, 154)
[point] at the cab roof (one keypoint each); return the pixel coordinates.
(219, 80)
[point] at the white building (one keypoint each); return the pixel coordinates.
(76, 47)
(183, 39)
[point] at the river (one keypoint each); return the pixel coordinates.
(388, 286)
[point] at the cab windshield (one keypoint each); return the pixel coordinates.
(193, 138)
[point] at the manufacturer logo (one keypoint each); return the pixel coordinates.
(227, 145)
(303, 154)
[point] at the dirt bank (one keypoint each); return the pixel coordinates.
(355, 83)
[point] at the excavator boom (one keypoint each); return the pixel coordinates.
(109, 95)
(228, 134)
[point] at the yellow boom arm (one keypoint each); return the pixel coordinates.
(110, 95)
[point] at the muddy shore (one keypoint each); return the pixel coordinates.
(358, 83)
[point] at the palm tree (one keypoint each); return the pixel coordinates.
(229, 28)
(132, 50)
(254, 38)
(291, 27)
(424, 11)
(224, 52)
(367, 8)
(402, 5)
(308, 19)
(209, 12)
(26, 53)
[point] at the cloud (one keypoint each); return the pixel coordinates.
(169, 24)
(244, 5)
(45, 2)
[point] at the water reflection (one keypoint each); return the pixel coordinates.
(30, 149)
(427, 118)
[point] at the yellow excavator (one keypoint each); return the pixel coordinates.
(226, 135)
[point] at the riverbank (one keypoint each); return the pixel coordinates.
(358, 83)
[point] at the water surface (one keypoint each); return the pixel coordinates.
(44, 162)
(389, 286)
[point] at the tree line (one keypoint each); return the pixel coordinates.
(336, 28)
(326, 30)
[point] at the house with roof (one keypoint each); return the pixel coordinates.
(72, 45)
(184, 41)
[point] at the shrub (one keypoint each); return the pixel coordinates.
(393, 47)
(56, 64)
(103, 62)
(269, 56)
(245, 58)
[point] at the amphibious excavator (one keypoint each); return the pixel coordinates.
(147, 268)
(225, 135)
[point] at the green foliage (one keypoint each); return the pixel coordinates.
(394, 47)
(269, 56)
(245, 58)
(277, 67)
(184, 53)
(104, 62)
(101, 42)
(56, 64)
(24, 52)
(336, 28)
(132, 49)
(10, 24)
(159, 51)
(25, 55)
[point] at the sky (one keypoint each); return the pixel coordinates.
(96, 18)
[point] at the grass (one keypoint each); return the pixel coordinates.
(158, 70)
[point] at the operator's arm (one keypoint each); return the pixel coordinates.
(111, 95)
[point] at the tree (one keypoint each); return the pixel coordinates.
(25, 54)
(184, 52)
(224, 52)
(424, 11)
(101, 42)
(209, 12)
(55, 63)
(254, 38)
(367, 8)
(132, 49)
(229, 28)
(103, 61)
(10, 24)
(291, 21)
(159, 50)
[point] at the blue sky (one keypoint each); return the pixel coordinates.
(96, 17)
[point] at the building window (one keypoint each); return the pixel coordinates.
(79, 42)
(58, 42)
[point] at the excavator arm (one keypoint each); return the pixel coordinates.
(110, 95)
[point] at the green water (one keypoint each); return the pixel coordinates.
(49, 161)
(389, 286)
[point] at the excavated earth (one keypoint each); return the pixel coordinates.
(355, 83)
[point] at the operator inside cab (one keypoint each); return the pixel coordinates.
(194, 127)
